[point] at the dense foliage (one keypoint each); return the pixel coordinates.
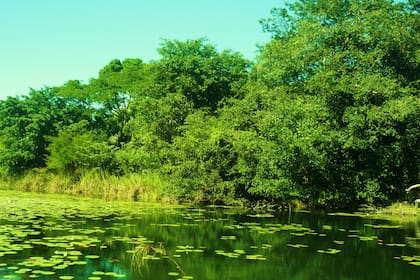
(329, 114)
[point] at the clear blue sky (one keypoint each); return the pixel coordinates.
(48, 42)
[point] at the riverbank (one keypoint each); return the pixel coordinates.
(143, 187)
(400, 209)
(133, 187)
(150, 187)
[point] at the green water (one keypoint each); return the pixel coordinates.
(57, 237)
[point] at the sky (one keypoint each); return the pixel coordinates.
(48, 42)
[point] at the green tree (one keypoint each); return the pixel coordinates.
(201, 158)
(25, 121)
(151, 131)
(107, 97)
(78, 148)
(347, 54)
(189, 76)
(198, 71)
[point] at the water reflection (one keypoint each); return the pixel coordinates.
(47, 239)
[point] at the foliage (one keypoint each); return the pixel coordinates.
(25, 121)
(76, 149)
(191, 75)
(366, 78)
(151, 131)
(329, 114)
(199, 72)
(200, 159)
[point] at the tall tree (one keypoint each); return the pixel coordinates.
(361, 59)
(25, 123)
(198, 71)
(190, 75)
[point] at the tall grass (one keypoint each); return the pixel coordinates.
(402, 209)
(98, 184)
(39, 180)
(136, 187)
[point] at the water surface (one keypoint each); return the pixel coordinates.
(59, 237)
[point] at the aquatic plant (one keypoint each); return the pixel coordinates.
(146, 251)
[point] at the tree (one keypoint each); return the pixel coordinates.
(190, 75)
(346, 54)
(151, 131)
(77, 148)
(201, 158)
(25, 123)
(335, 42)
(196, 70)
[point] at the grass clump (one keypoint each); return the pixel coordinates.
(401, 208)
(97, 184)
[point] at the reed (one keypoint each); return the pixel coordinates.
(145, 251)
(402, 209)
(98, 184)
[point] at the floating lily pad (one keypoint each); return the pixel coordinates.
(367, 238)
(264, 215)
(256, 257)
(92, 256)
(396, 244)
(327, 227)
(330, 251)
(233, 255)
(228, 237)
(383, 226)
(298, 245)
(239, 251)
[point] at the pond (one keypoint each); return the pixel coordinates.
(60, 237)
